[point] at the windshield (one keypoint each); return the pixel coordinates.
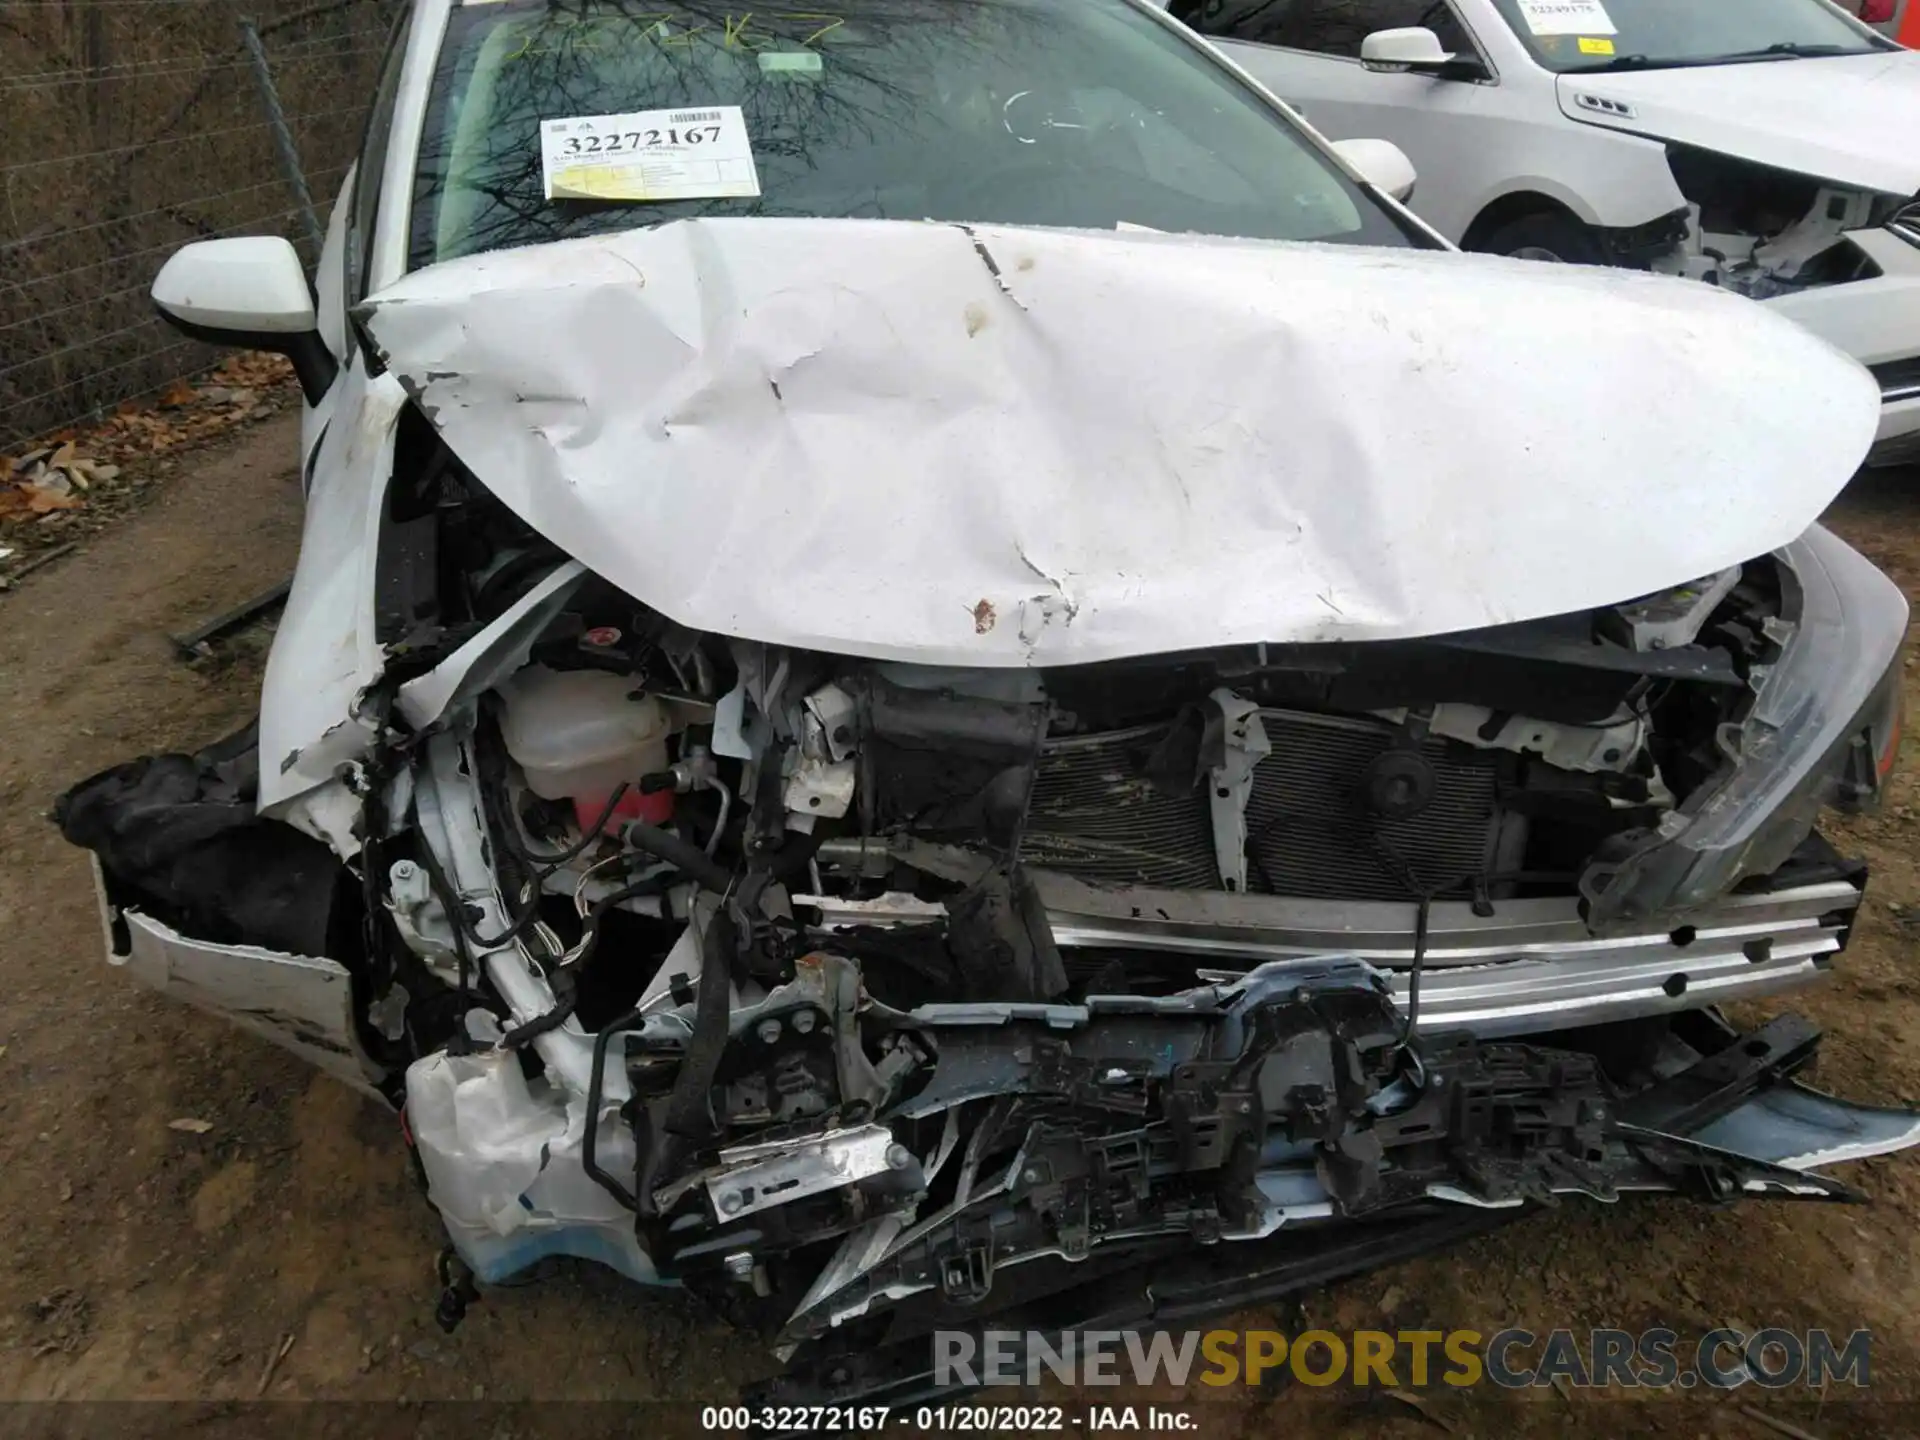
(1083, 113)
(1571, 35)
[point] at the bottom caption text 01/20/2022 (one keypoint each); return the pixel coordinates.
(1769, 1359)
(957, 1418)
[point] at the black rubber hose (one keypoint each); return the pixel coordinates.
(690, 860)
(546, 864)
(589, 1147)
(789, 862)
(651, 885)
(1421, 917)
(689, 1107)
(463, 928)
(520, 922)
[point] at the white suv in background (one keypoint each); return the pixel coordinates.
(1771, 148)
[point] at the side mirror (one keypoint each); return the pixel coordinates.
(1381, 163)
(248, 292)
(1405, 47)
(1416, 48)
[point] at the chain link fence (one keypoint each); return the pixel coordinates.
(129, 127)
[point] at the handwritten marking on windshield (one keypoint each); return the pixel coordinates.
(736, 32)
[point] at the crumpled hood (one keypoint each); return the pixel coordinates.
(995, 446)
(1852, 119)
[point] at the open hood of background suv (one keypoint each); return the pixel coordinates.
(1851, 119)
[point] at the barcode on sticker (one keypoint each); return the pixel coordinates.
(693, 117)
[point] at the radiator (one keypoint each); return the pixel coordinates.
(1094, 814)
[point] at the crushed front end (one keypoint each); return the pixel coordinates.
(857, 996)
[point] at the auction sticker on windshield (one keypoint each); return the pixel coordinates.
(1566, 17)
(649, 155)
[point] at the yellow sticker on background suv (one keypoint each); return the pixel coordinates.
(1595, 45)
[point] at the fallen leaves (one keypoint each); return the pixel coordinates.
(48, 479)
(71, 481)
(188, 412)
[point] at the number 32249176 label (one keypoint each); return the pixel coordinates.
(649, 155)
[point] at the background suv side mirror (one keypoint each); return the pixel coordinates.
(1381, 163)
(1416, 48)
(248, 292)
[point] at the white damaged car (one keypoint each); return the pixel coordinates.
(1771, 148)
(861, 730)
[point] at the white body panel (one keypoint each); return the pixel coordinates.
(324, 653)
(330, 315)
(1854, 119)
(1872, 320)
(1875, 321)
(247, 283)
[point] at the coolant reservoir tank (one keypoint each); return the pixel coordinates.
(577, 734)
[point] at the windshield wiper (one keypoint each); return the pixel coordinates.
(1786, 50)
(1623, 62)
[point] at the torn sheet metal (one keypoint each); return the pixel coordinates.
(1803, 1129)
(324, 652)
(491, 656)
(302, 1003)
(992, 446)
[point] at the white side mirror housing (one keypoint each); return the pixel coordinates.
(250, 285)
(248, 291)
(1381, 163)
(1410, 47)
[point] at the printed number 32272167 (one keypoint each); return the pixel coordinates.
(640, 139)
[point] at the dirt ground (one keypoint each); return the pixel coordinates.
(285, 1251)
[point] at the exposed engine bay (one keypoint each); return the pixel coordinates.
(852, 995)
(1764, 232)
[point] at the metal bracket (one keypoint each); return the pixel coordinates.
(758, 1177)
(1231, 783)
(1721, 1081)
